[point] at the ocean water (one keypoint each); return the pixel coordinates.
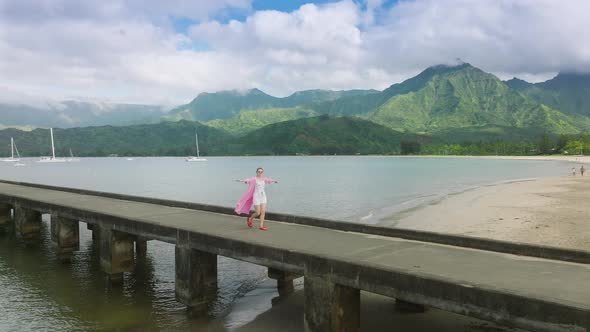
(39, 293)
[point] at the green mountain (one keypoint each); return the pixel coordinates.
(462, 97)
(485, 134)
(441, 98)
(316, 96)
(441, 104)
(226, 104)
(364, 104)
(566, 92)
(247, 121)
(451, 97)
(166, 138)
(518, 84)
(221, 105)
(317, 135)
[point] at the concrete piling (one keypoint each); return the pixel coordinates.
(27, 223)
(5, 216)
(116, 252)
(329, 306)
(196, 276)
(284, 280)
(65, 233)
(140, 247)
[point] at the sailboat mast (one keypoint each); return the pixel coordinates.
(12, 147)
(197, 141)
(52, 146)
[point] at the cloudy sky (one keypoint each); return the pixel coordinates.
(166, 52)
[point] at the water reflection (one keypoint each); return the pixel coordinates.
(45, 292)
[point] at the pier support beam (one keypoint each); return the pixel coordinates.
(116, 252)
(5, 216)
(196, 276)
(27, 223)
(329, 306)
(284, 280)
(65, 233)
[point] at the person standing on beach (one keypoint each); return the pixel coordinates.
(582, 169)
(573, 171)
(254, 195)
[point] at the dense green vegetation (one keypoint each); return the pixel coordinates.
(468, 97)
(247, 121)
(226, 104)
(317, 135)
(308, 136)
(567, 92)
(542, 145)
(163, 139)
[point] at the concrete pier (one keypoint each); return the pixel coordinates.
(196, 276)
(538, 288)
(116, 252)
(284, 280)
(330, 307)
(27, 223)
(66, 235)
(5, 216)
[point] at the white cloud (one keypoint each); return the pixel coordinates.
(128, 51)
(524, 36)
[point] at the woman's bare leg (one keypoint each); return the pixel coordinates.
(262, 214)
(256, 212)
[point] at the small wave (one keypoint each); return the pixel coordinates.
(367, 217)
(416, 202)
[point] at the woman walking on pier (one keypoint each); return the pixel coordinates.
(254, 195)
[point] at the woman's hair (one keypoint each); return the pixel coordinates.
(259, 168)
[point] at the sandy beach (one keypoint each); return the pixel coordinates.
(553, 211)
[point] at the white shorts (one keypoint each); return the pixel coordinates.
(259, 198)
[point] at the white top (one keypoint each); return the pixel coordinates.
(259, 188)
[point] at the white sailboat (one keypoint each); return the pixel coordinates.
(12, 149)
(51, 159)
(72, 158)
(197, 158)
(18, 163)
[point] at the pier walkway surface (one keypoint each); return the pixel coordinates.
(534, 293)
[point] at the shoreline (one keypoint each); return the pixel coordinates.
(542, 211)
(578, 159)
